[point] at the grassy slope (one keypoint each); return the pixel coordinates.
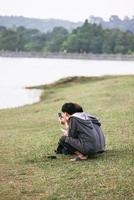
(29, 133)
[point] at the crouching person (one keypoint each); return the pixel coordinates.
(82, 135)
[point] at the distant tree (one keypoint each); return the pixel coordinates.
(87, 38)
(36, 41)
(72, 44)
(2, 28)
(8, 40)
(55, 39)
(115, 19)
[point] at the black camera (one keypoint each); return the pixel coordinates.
(60, 115)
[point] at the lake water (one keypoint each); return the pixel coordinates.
(17, 73)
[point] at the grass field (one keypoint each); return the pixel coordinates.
(28, 134)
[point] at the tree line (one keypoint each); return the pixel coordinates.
(89, 38)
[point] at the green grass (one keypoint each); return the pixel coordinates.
(29, 133)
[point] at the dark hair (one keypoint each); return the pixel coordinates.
(71, 108)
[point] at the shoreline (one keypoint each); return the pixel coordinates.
(45, 89)
(34, 96)
(79, 56)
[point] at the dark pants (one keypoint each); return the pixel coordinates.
(64, 148)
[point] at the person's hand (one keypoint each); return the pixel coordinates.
(65, 132)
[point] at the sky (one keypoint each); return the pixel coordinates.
(73, 10)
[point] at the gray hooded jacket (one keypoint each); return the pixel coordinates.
(85, 133)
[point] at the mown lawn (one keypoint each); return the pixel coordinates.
(28, 134)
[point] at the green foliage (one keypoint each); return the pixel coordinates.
(55, 39)
(8, 40)
(85, 39)
(89, 38)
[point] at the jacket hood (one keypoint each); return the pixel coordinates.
(83, 118)
(81, 115)
(86, 118)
